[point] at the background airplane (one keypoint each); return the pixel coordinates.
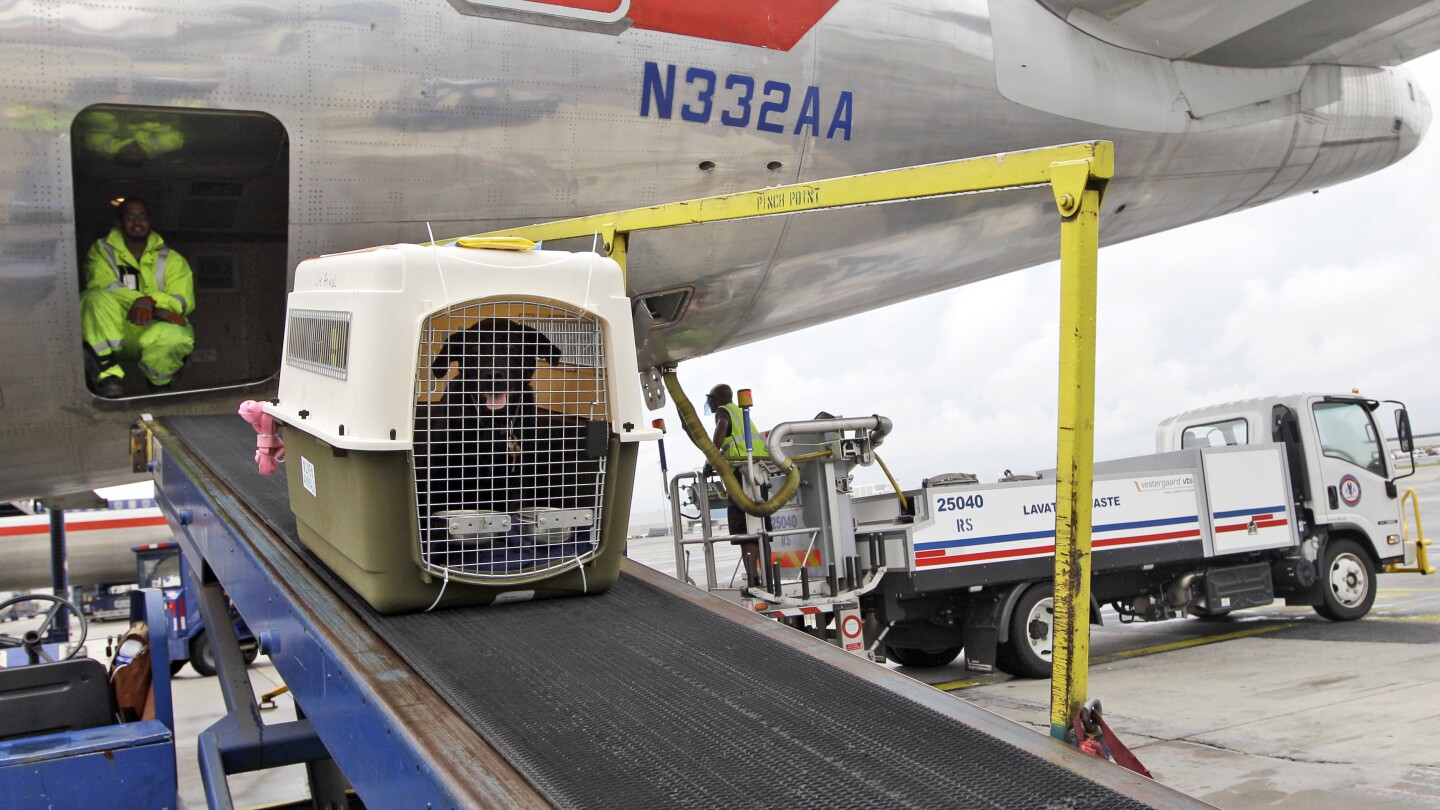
(97, 543)
(264, 135)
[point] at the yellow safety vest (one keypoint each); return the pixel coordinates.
(734, 446)
(161, 273)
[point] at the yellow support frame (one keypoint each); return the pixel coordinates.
(1077, 174)
(1422, 556)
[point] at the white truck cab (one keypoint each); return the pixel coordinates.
(1341, 477)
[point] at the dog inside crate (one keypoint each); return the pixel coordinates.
(511, 420)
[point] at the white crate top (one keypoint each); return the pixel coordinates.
(362, 396)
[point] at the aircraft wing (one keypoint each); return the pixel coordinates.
(1262, 33)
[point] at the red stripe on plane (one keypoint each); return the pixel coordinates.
(85, 526)
(761, 23)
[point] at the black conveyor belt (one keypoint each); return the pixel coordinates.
(638, 698)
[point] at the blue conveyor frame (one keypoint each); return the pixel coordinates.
(365, 707)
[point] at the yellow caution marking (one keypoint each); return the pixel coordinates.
(1191, 642)
(955, 686)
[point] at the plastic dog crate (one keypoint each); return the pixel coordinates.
(461, 422)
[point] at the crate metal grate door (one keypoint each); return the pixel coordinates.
(511, 428)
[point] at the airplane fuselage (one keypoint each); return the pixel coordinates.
(325, 128)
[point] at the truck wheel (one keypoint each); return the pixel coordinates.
(250, 652)
(175, 667)
(1347, 582)
(202, 655)
(1028, 653)
(912, 657)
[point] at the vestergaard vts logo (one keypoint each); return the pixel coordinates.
(1350, 490)
(759, 23)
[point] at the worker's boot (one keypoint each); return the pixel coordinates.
(110, 387)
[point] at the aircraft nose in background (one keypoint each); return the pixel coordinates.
(1371, 118)
(1414, 118)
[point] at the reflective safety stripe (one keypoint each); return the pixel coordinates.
(160, 268)
(106, 346)
(155, 376)
(115, 268)
(734, 446)
(183, 302)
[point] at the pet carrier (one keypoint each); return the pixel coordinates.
(461, 422)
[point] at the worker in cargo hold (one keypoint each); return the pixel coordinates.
(729, 437)
(138, 296)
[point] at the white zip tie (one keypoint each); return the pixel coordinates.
(440, 595)
(443, 288)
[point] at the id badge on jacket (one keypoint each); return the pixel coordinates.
(131, 280)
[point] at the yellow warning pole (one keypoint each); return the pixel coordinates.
(1077, 194)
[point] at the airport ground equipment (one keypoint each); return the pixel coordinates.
(103, 601)
(1282, 497)
(60, 745)
(652, 693)
(42, 644)
(159, 566)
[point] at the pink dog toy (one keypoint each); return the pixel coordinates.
(269, 448)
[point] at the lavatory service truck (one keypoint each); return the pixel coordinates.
(1290, 497)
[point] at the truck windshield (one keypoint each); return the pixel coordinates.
(1347, 433)
(161, 572)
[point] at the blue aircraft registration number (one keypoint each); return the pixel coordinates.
(737, 100)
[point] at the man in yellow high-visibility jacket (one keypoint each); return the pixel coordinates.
(729, 438)
(137, 299)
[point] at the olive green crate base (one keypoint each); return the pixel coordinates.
(361, 523)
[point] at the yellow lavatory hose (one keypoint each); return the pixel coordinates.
(700, 439)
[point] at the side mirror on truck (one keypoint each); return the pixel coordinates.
(1402, 429)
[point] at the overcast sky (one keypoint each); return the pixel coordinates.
(1321, 292)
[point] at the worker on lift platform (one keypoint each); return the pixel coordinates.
(138, 292)
(729, 437)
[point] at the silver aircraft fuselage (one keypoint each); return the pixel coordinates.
(451, 117)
